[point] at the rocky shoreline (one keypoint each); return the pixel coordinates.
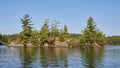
(55, 44)
(80, 46)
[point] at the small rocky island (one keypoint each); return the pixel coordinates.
(51, 36)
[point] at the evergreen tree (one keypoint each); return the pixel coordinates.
(65, 29)
(91, 35)
(63, 34)
(54, 28)
(27, 29)
(35, 38)
(90, 31)
(44, 32)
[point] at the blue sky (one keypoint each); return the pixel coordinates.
(73, 13)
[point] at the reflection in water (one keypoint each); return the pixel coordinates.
(46, 57)
(19, 57)
(53, 57)
(92, 57)
(61, 57)
(27, 56)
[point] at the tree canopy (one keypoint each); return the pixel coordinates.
(44, 32)
(91, 35)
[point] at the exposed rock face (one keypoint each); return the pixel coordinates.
(96, 45)
(46, 44)
(55, 43)
(15, 44)
(63, 44)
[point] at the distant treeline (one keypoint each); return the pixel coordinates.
(113, 40)
(8, 38)
(4, 38)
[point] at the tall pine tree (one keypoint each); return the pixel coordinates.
(27, 29)
(92, 35)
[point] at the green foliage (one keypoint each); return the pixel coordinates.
(35, 38)
(74, 35)
(114, 40)
(65, 29)
(7, 39)
(100, 38)
(51, 33)
(54, 28)
(27, 29)
(3, 38)
(82, 39)
(44, 32)
(90, 31)
(13, 37)
(0, 37)
(92, 35)
(63, 35)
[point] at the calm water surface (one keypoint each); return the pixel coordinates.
(19, 57)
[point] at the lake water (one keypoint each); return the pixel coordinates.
(19, 57)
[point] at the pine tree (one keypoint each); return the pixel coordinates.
(27, 29)
(35, 38)
(92, 35)
(65, 29)
(44, 32)
(54, 28)
(90, 31)
(63, 35)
